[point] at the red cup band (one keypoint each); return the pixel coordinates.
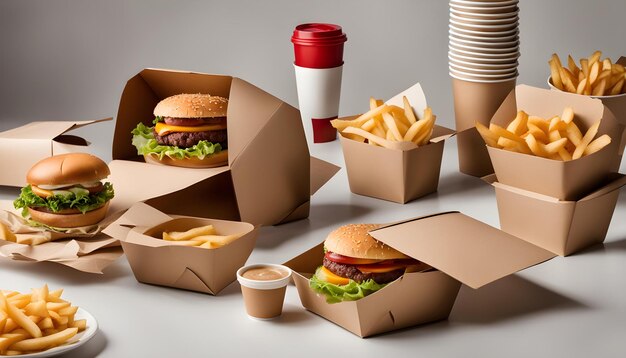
(323, 131)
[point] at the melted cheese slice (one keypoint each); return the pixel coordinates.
(163, 129)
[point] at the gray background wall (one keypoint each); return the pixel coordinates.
(69, 59)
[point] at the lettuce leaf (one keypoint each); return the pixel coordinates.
(338, 293)
(144, 141)
(83, 201)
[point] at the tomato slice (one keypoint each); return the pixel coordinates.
(349, 260)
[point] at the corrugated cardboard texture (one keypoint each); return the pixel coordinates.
(563, 180)
(563, 227)
(476, 102)
(414, 299)
(392, 174)
(35, 141)
(268, 178)
(157, 262)
(461, 248)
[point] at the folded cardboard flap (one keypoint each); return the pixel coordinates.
(46, 129)
(468, 250)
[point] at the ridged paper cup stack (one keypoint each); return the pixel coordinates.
(482, 57)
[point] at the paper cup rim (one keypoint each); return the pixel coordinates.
(499, 56)
(514, 25)
(485, 3)
(264, 285)
(470, 21)
(481, 81)
(467, 63)
(503, 71)
(483, 43)
(496, 34)
(484, 77)
(479, 49)
(501, 15)
(598, 97)
(495, 39)
(479, 60)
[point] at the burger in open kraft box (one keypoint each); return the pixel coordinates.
(451, 248)
(394, 169)
(268, 179)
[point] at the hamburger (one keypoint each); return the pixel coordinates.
(356, 265)
(66, 191)
(189, 131)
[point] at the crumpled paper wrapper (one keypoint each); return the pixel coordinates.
(84, 249)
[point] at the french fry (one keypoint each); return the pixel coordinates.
(41, 343)
(519, 125)
(555, 65)
(22, 320)
(408, 110)
(513, 146)
(582, 145)
(490, 138)
(186, 235)
(573, 133)
(594, 57)
(598, 143)
(594, 77)
(535, 146)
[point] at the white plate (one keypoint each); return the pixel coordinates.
(76, 341)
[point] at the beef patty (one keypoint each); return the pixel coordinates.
(353, 273)
(189, 139)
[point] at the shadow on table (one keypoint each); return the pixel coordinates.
(64, 273)
(90, 349)
(455, 183)
(603, 247)
(325, 215)
(508, 298)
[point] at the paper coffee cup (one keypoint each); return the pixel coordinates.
(482, 15)
(457, 35)
(476, 101)
(263, 298)
(319, 92)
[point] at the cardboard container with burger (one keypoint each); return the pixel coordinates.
(64, 208)
(189, 131)
(214, 167)
(404, 274)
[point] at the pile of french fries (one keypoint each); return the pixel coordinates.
(36, 321)
(594, 77)
(205, 237)
(556, 138)
(387, 125)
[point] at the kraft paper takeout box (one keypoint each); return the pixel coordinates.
(270, 175)
(35, 141)
(394, 174)
(460, 248)
(565, 180)
(158, 262)
(563, 227)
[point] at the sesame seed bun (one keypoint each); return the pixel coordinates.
(353, 240)
(192, 106)
(72, 168)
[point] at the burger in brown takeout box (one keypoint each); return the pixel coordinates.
(189, 131)
(459, 249)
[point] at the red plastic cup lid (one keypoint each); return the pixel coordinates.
(318, 32)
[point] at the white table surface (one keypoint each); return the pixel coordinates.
(566, 307)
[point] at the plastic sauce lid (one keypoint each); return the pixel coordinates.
(318, 32)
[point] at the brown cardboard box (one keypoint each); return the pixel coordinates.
(158, 262)
(269, 177)
(462, 249)
(394, 174)
(563, 227)
(35, 141)
(563, 180)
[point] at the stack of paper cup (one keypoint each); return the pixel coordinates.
(482, 58)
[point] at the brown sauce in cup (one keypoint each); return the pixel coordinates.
(264, 274)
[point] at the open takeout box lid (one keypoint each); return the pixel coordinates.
(270, 176)
(35, 141)
(156, 261)
(466, 249)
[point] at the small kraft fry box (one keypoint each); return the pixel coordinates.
(35, 141)
(560, 226)
(564, 180)
(458, 247)
(270, 175)
(398, 175)
(159, 262)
